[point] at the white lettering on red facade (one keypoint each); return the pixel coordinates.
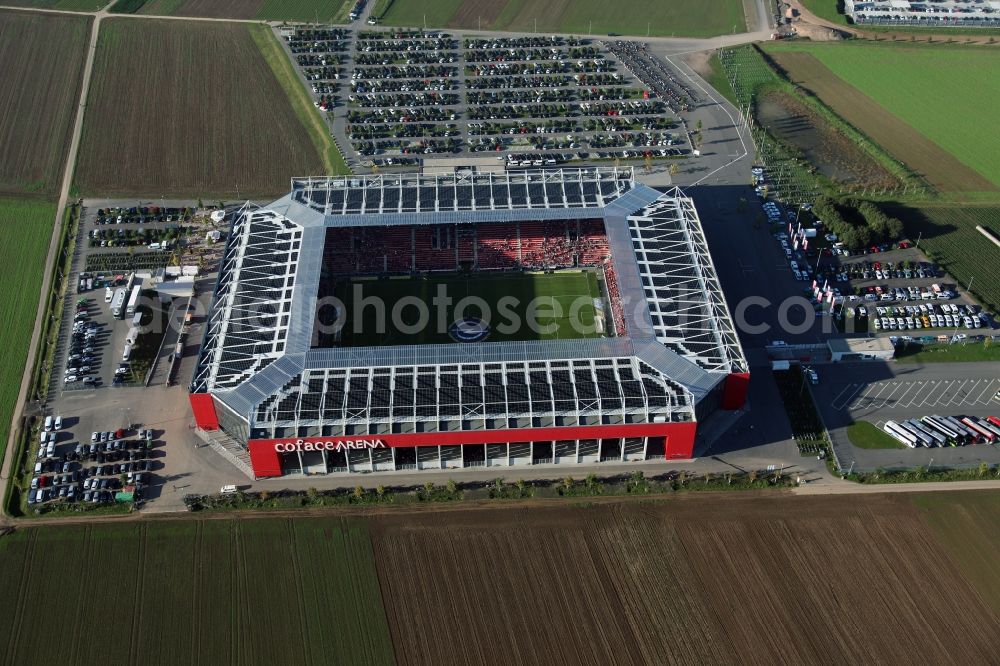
(338, 445)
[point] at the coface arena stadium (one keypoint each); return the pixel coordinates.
(616, 341)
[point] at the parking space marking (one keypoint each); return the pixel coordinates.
(987, 395)
(917, 394)
(853, 388)
(920, 395)
(884, 397)
(932, 397)
(910, 387)
(958, 396)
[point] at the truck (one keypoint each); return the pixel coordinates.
(133, 300)
(118, 303)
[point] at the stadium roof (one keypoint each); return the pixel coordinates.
(259, 334)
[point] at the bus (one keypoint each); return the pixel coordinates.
(900, 434)
(984, 434)
(943, 428)
(937, 438)
(921, 436)
(970, 435)
(983, 423)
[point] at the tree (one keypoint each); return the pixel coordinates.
(674, 169)
(452, 487)
(698, 125)
(359, 493)
(312, 494)
(567, 483)
(380, 491)
(984, 469)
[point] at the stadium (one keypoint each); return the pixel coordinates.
(465, 320)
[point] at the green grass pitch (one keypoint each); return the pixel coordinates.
(563, 307)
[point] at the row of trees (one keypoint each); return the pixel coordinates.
(858, 224)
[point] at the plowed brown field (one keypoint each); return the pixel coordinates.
(695, 580)
(41, 64)
(188, 109)
(916, 151)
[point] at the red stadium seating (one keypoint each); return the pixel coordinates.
(448, 247)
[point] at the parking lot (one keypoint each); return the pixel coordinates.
(100, 467)
(878, 392)
(95, 390)
(397, 95)
(865, 399)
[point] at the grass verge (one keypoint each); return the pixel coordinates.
(719, 81)
(40, 371)
(309, 116)
(978, 352)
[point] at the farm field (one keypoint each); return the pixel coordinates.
(25, 231)
(968, 525)
(950, 238)
(254, 592)
(41, 57)
(681, 18)
(65, 5)
(881, 89)
(195, 111)
(265, 10)
(696, 580)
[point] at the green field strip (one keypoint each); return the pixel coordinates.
(305, 110)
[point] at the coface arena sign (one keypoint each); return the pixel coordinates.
(333, 445)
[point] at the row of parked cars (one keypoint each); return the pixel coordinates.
(888, 293)
(933, 315)
(889, 270)
(81, 358)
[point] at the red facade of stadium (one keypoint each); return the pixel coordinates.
(266, 460)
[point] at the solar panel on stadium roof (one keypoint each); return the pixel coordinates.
(390, 199)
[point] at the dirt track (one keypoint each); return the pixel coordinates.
(920, 154)
(794, 580)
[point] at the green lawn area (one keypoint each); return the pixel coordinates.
(967, 524)
(66, 5)
(564, 310)
(302, 10)
(827, 9)
(719, 81)
(977, 352)
(948, 235)
(261, 591)
(681, 18)
(658, 18)
(307, 112)
(865, 435)
(948, 93)
(25, 231)
(413, 13)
